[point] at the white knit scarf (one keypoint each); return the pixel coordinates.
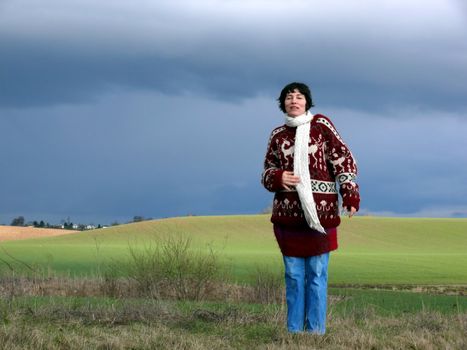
(301, 167)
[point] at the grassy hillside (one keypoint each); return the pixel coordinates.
(372, 250)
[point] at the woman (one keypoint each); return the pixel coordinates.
(304, 160)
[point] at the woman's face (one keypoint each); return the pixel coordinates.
(295, 103)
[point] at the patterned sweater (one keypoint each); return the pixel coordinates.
(330, 161)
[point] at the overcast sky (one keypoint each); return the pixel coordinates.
(111, 109)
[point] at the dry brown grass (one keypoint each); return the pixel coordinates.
(86, 319)
(144, 324)
(10, 233)
(19, 286)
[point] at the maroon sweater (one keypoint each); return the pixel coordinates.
(330, 161)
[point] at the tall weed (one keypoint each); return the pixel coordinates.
(268, 285)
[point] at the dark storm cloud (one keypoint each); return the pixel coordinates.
(399, 54)
(110, 110)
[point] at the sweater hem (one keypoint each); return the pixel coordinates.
(297, 222)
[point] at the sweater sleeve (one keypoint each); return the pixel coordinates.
(343, 164)
(272, 173)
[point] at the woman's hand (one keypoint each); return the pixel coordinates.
(351, 211)
(289, 180)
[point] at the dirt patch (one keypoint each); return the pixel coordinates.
(10, 233)
(460, 289)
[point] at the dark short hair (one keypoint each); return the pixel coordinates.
(302, 88)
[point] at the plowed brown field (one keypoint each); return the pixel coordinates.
(8, 233)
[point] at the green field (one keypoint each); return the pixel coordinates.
(380, 264)
(372, 250)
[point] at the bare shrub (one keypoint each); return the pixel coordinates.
(172, 269)
(145, 270)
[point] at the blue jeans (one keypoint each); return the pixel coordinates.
(306, 282)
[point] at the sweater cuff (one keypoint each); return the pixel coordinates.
(277, 180)
(350, 195)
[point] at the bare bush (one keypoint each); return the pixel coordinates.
(172, 268)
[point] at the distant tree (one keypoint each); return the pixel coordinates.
(138, 218)
(19, 221)
(35, 223)
(115, 223)
(42, 223)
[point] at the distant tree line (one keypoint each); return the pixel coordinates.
(67, 224)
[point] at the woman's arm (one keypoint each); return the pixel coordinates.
(272, 177)
(343, 165)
